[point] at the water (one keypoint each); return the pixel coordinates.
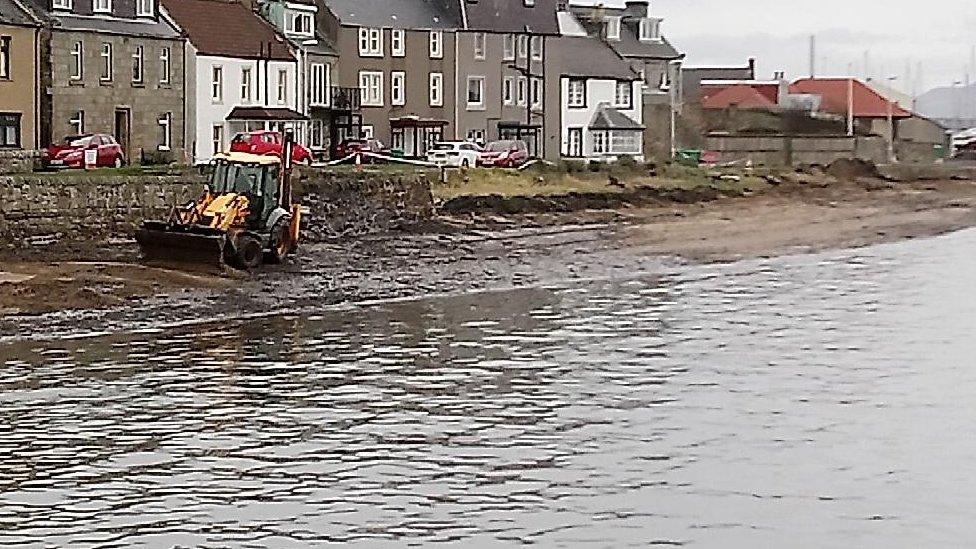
(813, 401)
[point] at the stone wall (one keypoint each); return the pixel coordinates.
(69, 207)
(788, 150)
(16, 161)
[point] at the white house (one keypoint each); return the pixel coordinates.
(601, 105)
(241, 74)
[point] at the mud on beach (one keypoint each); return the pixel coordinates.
(477, 244)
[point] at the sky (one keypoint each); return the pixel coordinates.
(897, 34)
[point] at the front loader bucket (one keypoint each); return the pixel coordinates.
(194, 246)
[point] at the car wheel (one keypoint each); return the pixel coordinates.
(118, 163)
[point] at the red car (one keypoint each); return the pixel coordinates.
(353, 146)
(71, 152)
(267, 143)
(504, 154)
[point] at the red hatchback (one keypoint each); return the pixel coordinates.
(71, 152)
(353, 146)
(504, 154)
(268, 143)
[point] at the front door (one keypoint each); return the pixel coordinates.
(575, 149)
(123, 130)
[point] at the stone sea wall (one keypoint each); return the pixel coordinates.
(42, 208)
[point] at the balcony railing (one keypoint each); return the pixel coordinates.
(345, 99)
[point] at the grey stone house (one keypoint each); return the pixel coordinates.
(401, 56)
(112, 66)
(506, 89)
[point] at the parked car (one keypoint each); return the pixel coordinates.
(504, 154)
(457, 154)
(267, 143)
(353, 146)
(70, 153)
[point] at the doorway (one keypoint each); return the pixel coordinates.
(123, 123)
(575, 143)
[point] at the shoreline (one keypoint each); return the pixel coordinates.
(459, 253)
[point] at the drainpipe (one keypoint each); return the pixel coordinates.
(37, 88)
(457, 76)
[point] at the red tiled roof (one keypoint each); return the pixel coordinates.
(227, 28)
(739, 96)
(834, 91)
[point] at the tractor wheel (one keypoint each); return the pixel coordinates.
(248, 253)
(281, 244)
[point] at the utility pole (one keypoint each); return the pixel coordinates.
(813, 56)
(891, 121)
(850, 106)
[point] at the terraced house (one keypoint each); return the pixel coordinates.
(114, 67)
(19, 37)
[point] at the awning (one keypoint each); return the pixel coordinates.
(264, 113)
(612, 119)
(416, 122)
(515, 124)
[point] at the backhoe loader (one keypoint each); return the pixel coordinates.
(244, 218)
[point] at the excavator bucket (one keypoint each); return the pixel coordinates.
(183, 245)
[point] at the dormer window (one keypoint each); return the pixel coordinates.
(102, 6)
(650, 29)
(299, 23)
(612, 28)
(528, 3)
(61, 4)
(144, 8)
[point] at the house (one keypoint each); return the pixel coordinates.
(241, 74)
(871, 111)
(401, 55)
(114, 67)
(601, 108)
(19, 36)
(299, 21)
(502, 74)
(740, 96)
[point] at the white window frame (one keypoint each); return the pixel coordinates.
(522, 91)
(398, 43)
(508, 90)
(480, 83)
(480, 45)
(436, 89)
(398, 88)
(78, 61)
(246, 84)
(536, 93)
(78, 121)
(624, 142)
(292, 16)
(370, 42)
(102, 6)
(371, 88)
(476, 136)
(508, 42)
(603, 141)
(217, 138)
(613, 27)
(217, 83)
(166, 125)
(138, 65)
(318, 84)
(650, 29)
(282, 86)
(535, 45)
(165, 65)
(61, 4)
(366, 131)
(145, 8)
(618, 97)
(108, 64)
(576, 93)
(523, 46)
(436, 44)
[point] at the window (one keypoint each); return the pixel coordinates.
(77, 61)
(480, 40)
(612, 28)
(164, 66)
(508, 90)
(536, 93)
(217, 84)
(144, 8)
(299, 22)
(4, 57)
(9, 130)
(509, 47)
(398, 45)
(624, 95)
(165, 136)
(436, 44)
(367, 132)
(217, 141)
(650, 29)
(476, 92)
(316, 133)
(396, 139)
(370, 42)
(137, 65)
(577, 93)
(476, 136)
(318, 84)
(106, 62)
(523, 45)
(625, 142)
(246, 84)
(371, 87)
(599, 142)
(398, 89)
(77, 123)
(102, 6)
(61, 4)
(522, 84)
(436, 89)
(282, 86)
(536, 47)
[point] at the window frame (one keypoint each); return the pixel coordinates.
(281, 87)
(570, 103)
(62, 4)
(481, 86)
(508, 91)
(140, 12)
(246, 85)
(438, 99)
(436, 42)
(166, 121)
(398, 43)
(102, 6)
(138, 65)
(535, 47)
(536, 93)
(107, 55)
(522, 91)
(368, 80)
(480, 45)
(78, 121)
(612, 27)
(508, 47)
(5, 58)
(398, 81)
(216, 84)
(318, 84)
(217, 138)
(165, 65)
(78, 56)
(370, 42)
(18, 120)
(618, 86)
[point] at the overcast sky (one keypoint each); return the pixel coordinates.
(937, 33)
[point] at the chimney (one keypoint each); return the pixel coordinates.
(637, 9)
(752, 68)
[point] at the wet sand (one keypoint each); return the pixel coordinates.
(461, 253)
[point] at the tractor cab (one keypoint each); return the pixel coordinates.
(257, 178)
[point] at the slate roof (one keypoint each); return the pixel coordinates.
(607, 118)
(12, 13)
(630, 45)
(131, 27)
(398, 14)
(512, 16)
(587, 57)
(834, 93)
(227, 28)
